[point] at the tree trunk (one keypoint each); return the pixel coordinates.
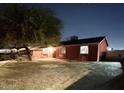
(28, 52)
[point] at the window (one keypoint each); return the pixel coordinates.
(63, 50)
(84, 50)
(45, 50)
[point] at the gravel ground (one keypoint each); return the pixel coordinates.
(47, 75)
(3, 62)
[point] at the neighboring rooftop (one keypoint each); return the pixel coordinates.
(84, 41)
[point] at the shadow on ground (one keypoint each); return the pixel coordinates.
(100, 79)
(117, 83)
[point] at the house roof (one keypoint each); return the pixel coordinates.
(85, 41)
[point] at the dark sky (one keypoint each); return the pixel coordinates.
(90, 20)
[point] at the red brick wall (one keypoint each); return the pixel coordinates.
(102, 47)
(72, 52)
(93, 50)
(58, 53)
(36, 54)
(83, 57)
(39, 54)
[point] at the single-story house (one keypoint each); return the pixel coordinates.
(88, 49)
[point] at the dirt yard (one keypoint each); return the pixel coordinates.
(43, 75)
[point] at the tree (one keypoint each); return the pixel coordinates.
(23, 26)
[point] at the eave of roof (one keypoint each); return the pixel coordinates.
(85, 41)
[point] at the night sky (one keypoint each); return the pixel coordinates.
(91, 20)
